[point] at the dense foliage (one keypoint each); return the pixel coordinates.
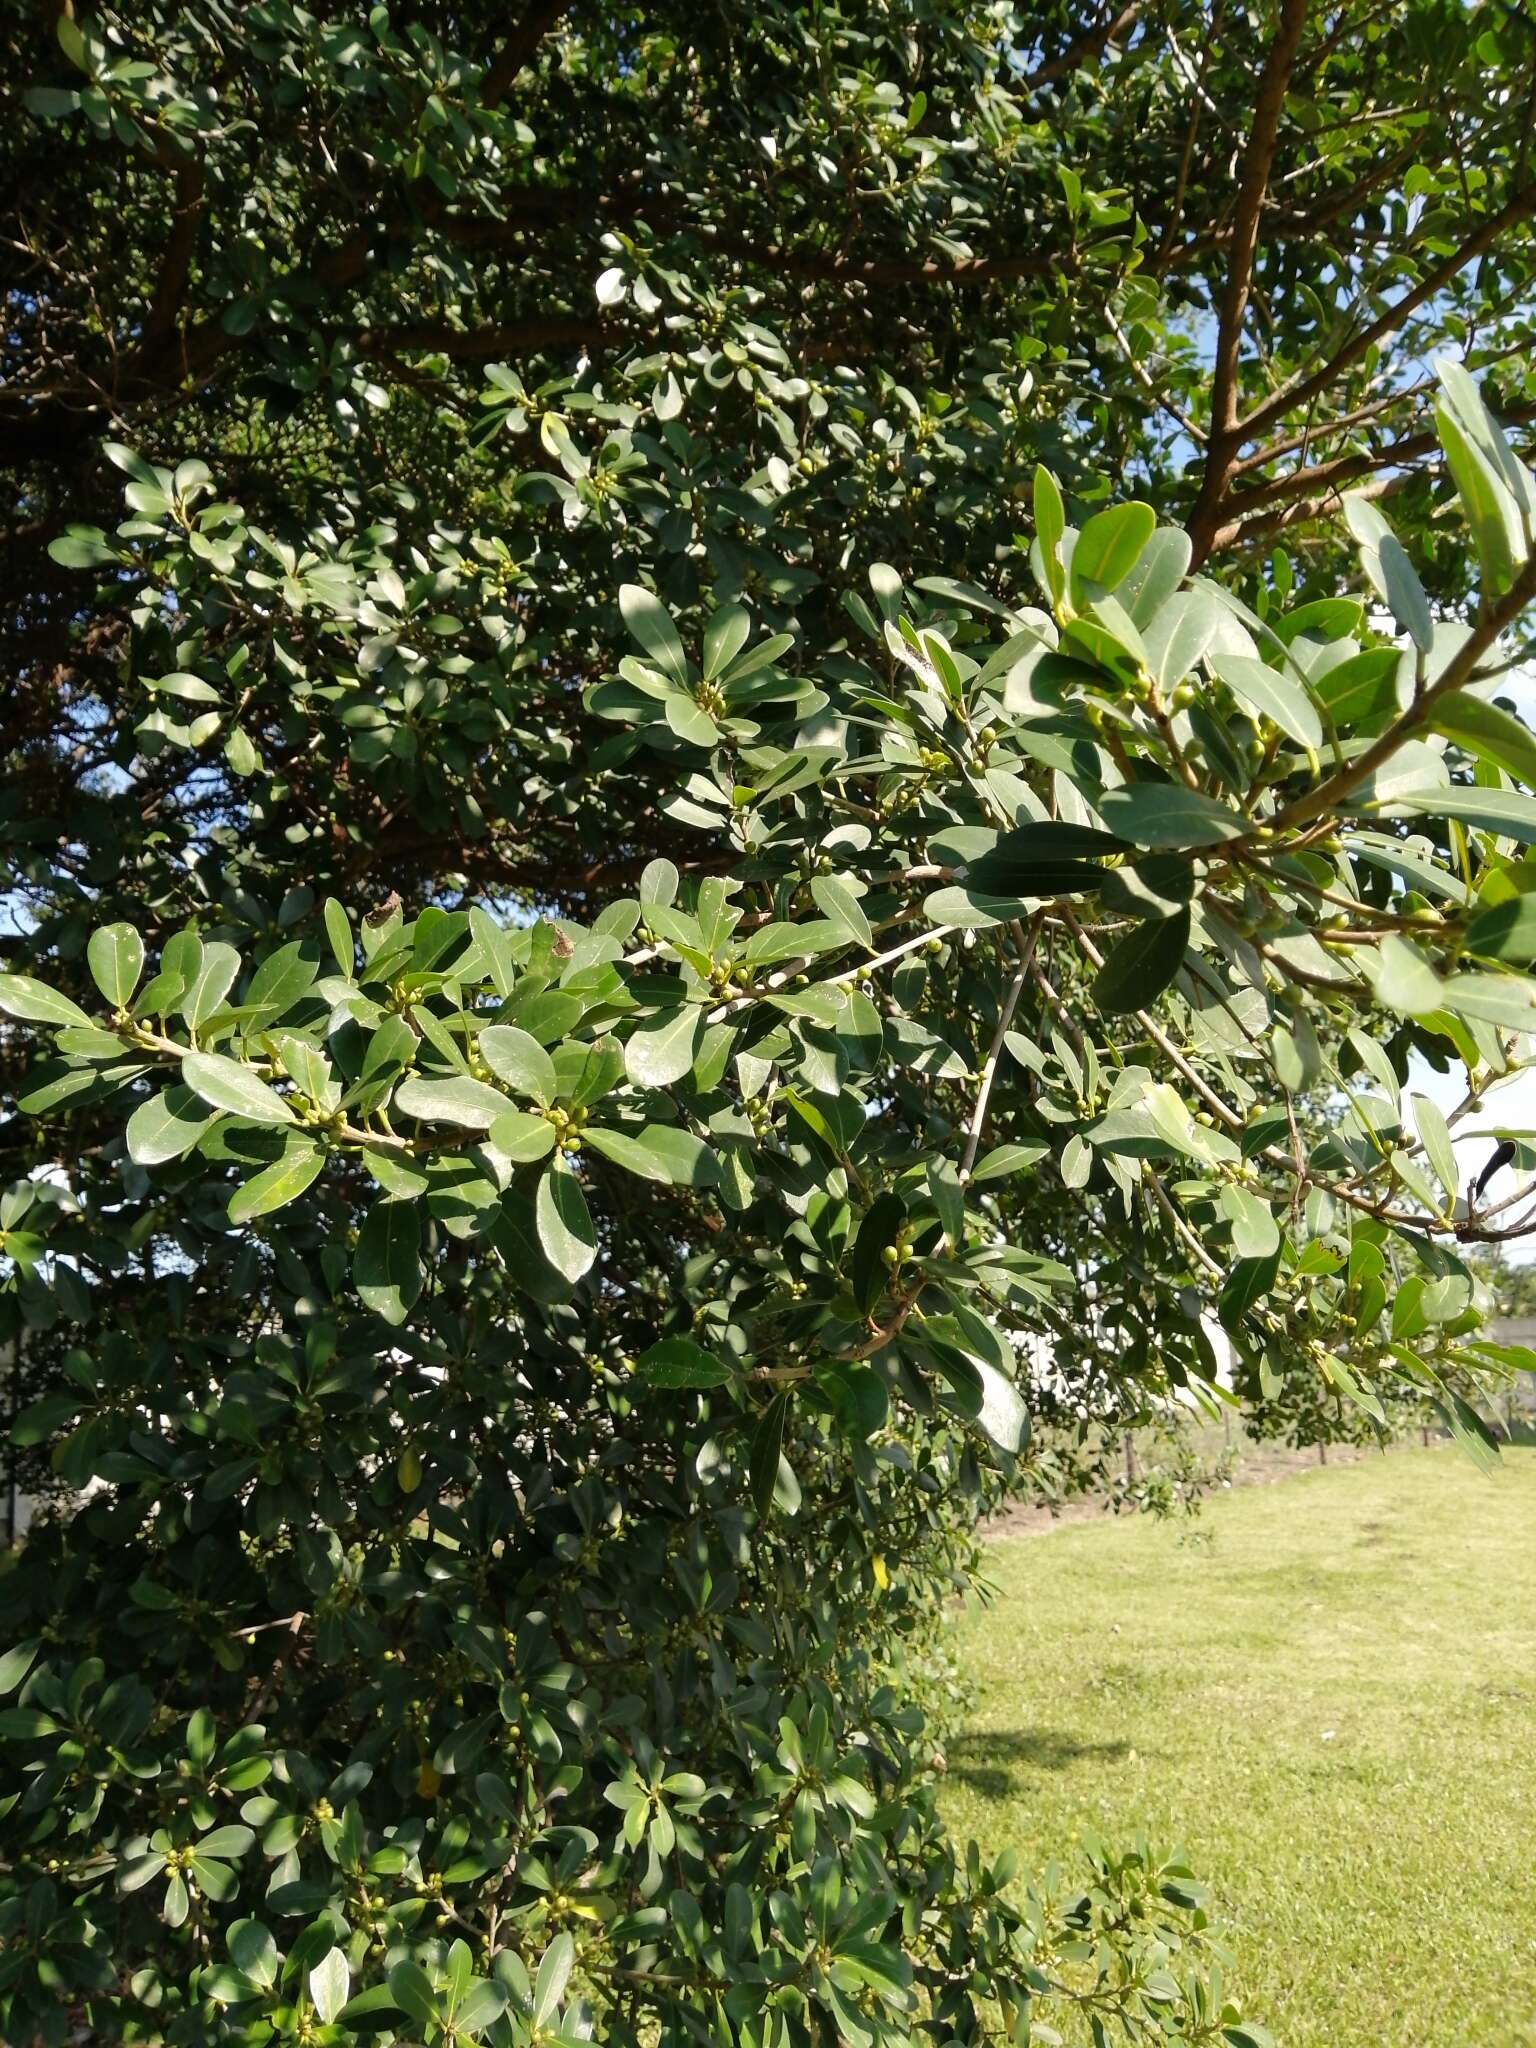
(663, 938)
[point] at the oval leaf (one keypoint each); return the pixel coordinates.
(36, 1003)
(451, 1099)
(116, 959)
(1142, 965)
(564, 1223)
(227, 1085)
(278, 1184)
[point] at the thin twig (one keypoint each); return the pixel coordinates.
(1026, 946)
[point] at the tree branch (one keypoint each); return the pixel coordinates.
(1457, 672)
(176, 262)
(1257, 163)
(474, 344)
(1026, 948)
(1301, 390)
(1085, 48)
(519, 49)
(1323, 430)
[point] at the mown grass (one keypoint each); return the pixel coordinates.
(1328, 1696)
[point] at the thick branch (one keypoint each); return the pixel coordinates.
(1326, 504)
(519, 49)
(1086, 48)
(176, 262)
(1333, 475)
(475, 344)
(1258, 161)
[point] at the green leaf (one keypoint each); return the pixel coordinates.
(1255, 1233)
(210, 986)
(116, 958)
(167, 1126)
(690, 721)
(1108, 547)
(967, 906)
(1504, 811)
(651, 624)
(228, 1085)
(26, 1724)
(1004, 1160)
(870, 1270)
(564, 1223)
(1268, 694)
(254, 1951)
(82, 547)
(1435, 1137)
(517, 1058)
(679, 1362)
(35, 1003)
(1165, 814)
(187, 688)
(658, 1054)
(659, 1152)
(1338, 1374)
(1034, 857)
(1142, 964)
(766, 1454)
(1505, 931)
(1361, 690)
(338, 929)
(17, 1662)
(523, 1136)
(658, 884)
(1486, 731)
(1471, 1433)
(329, 1982)
(555, 1966)
(451, 1099)
(228, 1986)
(240, 752)
(1050, 528)
(1400, 586)
(1404, 979)
(1505, 1000)
(484, 2001)
(227, 1843)
(1160, 569)
(725, 634)
(1487, 505)
(1178, 636)
(589, 1073)
(373, 2011)
(1157, 885)
(279, 1184)
(386, 1266)
(1386, 563)
(284, 978)
(836, 901)
(411, 1989)
(1002, 1413)
(1247, 1284)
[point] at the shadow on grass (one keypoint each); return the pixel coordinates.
(994, 1761)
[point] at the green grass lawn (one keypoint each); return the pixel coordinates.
(1328, 1697)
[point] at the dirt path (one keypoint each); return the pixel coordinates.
(1258, 1464)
